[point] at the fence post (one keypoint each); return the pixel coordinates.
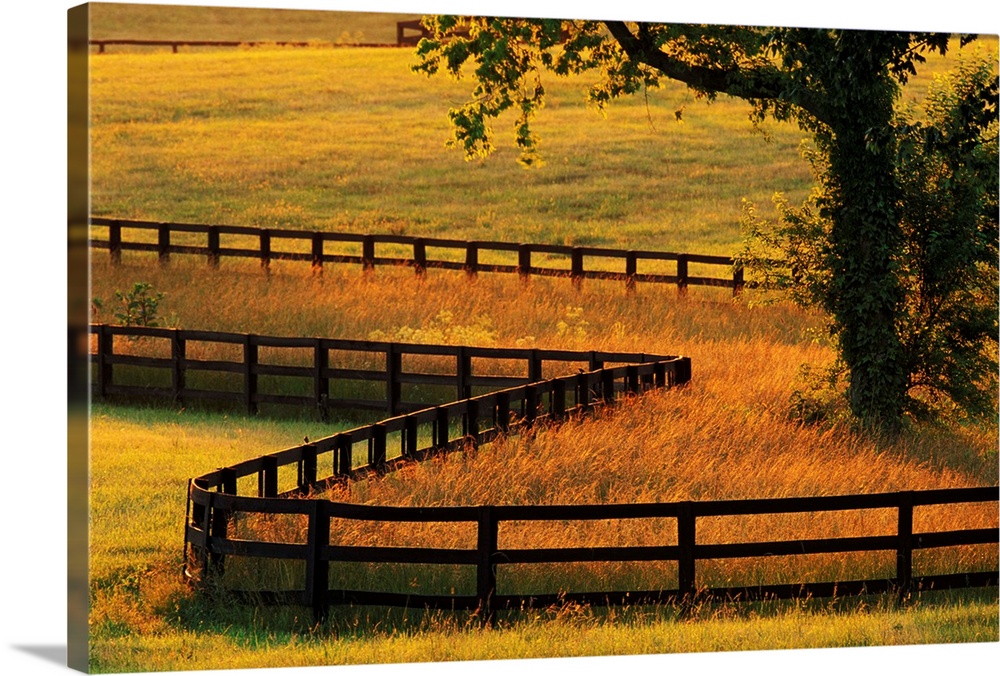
(265, 250)
(367, 253)
(419, 256)
(904, 544)
(558, 399)
(440, 427)
(524, 261)
(321, 383)
(409, 449)
(344, 454)
(486, 576)
(583, 391)
(659, 374)
(576, 266)
(471, 259)
(534, 367)
(308, 468)
(738, 281)
(250, 374)
(115, 242)
(317, 565)
(683, 371)
(463, 371)
(471, 425)
(177, 356)
(317, 253)
(267, 480)
(220, 520)
(682, 274)
(608, 386)
(685, 559)
(630, 271)
(530, 404)
(213, 246)
(393, 387)
(503, 411)
(632, 379)
(376, 447)
(163, 243)
(105, 350)
(202, 515)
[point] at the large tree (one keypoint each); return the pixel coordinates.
(839, 85)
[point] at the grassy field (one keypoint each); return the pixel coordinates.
(353, 141)
(178, 22)
(726, 436)
(339, 139)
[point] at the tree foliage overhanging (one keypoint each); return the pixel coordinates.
(900, 238)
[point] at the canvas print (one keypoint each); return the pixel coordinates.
(425, 338)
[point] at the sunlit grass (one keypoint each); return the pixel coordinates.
(727, 435)
(351, 140)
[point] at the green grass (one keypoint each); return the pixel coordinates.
(350, 140)
(143, 618)
(745, 358)
(945, 618)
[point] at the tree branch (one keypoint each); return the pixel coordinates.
(745, 82)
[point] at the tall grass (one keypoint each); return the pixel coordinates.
(727, 435)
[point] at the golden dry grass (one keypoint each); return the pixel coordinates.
(728, 435)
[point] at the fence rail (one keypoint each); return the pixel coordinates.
(466, 369)
(213, 499)
(466, 254)
(175, 45)
(213, 504)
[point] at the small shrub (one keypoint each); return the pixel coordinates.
(139, 306)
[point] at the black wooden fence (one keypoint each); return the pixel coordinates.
(213, 500)
(460, 370)
(578, 262)
(213, 504)
(174, 45)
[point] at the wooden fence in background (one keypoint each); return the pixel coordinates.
(466, 255)
(174, 45)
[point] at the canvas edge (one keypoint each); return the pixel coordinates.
(78, 427)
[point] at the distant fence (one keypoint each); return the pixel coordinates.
(405, 39)
(408, 34)
(579, 262)
(176, 44)
(460, 370)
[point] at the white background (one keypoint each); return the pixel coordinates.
(33, 217)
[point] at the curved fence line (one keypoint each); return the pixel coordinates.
(283, 483)
(213, 499)
(578, 262)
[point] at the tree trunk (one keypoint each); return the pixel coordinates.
(865, 296)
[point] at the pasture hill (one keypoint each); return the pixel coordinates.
(330, 139)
